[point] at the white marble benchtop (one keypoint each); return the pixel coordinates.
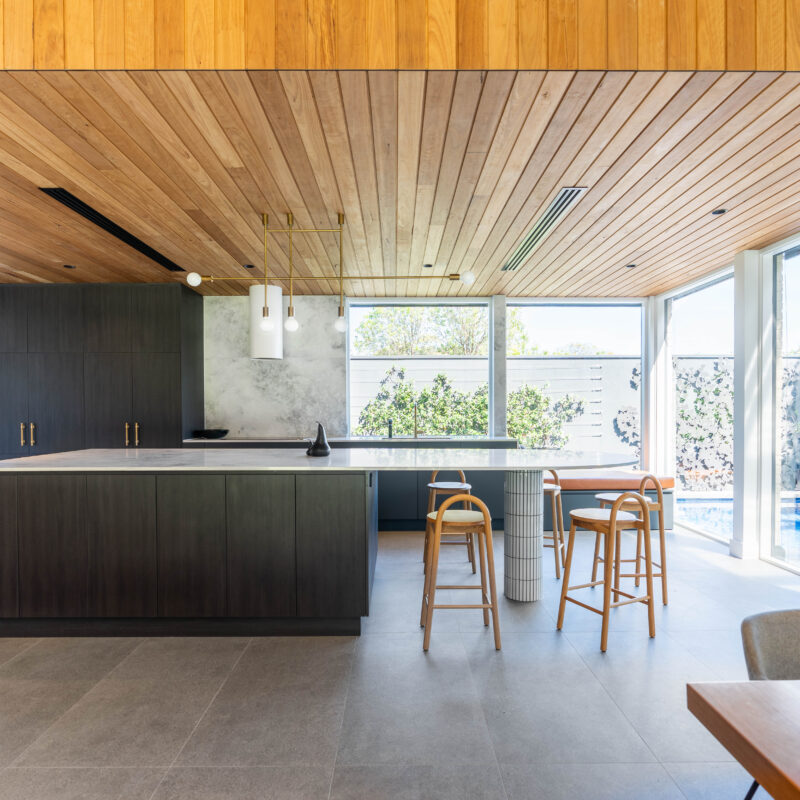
(341, 459)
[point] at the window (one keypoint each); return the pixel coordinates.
(701, 339)
(785, 542)
(574, 375)
(434, 357)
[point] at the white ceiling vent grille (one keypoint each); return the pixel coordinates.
(563, 201)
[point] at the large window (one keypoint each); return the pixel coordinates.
(434, 358)
(574, 375)
(701, 339)
(785, 544)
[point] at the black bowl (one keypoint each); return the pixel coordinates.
(211, 433)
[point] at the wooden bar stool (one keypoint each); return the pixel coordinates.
(438, 489)
(607, 499)
(608, 522)
(478, 523)
(552, 488)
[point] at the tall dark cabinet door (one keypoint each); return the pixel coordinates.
(121, 528)
(331, 558)
(261, 561)
(107, 399)
(55, 401)
(156, 396)
(191, 545)
(55, 319)
(9, 605)
(107, 309)
(53, 553)
(155, 319)
(13, 404)
(14, 319)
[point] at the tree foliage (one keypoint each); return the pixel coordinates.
(443, 410)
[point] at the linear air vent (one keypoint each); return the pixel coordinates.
(79, 207)
(566, 196)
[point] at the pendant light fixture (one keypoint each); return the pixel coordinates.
(291, 323)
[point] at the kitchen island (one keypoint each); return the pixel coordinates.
(223, 540)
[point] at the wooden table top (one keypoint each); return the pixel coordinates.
(759, 724)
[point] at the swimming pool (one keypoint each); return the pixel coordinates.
(715, 515)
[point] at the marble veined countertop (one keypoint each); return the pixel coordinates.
(341, 459)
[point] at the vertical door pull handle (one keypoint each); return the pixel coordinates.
(136, 434)
(22, 434)
(33, 433)
(127, 434)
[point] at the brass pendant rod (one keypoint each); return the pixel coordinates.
(341, 267)
(265, 309)
(290, 220)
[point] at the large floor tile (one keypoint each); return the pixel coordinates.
(595, 781)
(407, 707)
(78, 784)
(461, 782)
(250, 783)
(124, 723)
(713, 781)
(282, 705)
(11, 648)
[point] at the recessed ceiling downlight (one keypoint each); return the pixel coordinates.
(630, 266)
(719, 212)
(69, 266)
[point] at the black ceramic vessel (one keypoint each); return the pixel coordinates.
(320, 446)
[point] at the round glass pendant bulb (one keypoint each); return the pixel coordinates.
(340, 324)
(467, 278)
(194, 279)
(266, 324)
(291, 324)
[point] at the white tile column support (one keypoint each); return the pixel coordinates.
(746, 404)
(524, 501)
(658, 440)
(497, 367)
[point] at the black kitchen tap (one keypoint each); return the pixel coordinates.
(389, 423)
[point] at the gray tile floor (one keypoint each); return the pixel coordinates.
(373, 717)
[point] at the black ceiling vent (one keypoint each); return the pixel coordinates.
(79, 207)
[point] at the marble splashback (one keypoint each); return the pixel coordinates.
(266, 398)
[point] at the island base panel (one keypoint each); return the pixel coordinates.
(524, 501)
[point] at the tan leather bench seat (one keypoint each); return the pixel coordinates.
(601, 480)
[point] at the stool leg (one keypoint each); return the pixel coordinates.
(562, 546)
(426, 585)
(432, 569)
(648, 566)
(487, 536)
(596, 556)
(617, 562)
(427, 545)
(663, 543)
(555, 534)
(470, 537)
(608, 574)
(639, 534)
(482, 554)
(567, 567)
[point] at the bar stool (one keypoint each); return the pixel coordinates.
(552, 488)
(468, 521)
(608, 523)
(447, 489)
(608, 499)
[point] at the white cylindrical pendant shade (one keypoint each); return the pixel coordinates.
(266, 344)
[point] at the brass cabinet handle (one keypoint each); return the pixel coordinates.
(136, 434)
(33, 433)
(127, 434)
(22, 434)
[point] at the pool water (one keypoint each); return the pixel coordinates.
(715, 515)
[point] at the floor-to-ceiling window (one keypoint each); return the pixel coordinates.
(701, 341)
(574, 375)
(430, 356)
(785, 539)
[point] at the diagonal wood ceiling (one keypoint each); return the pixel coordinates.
(447, 168)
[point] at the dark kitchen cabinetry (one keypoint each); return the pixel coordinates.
(9, 560)
(79, 362)
(332, 540)
(53, 552)
(261, 546)
(121, 532)
(191, 545)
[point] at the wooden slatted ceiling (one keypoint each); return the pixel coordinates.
(449, 168)
(400, 34)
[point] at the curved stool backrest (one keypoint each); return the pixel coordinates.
(464, 498)
(630, 497)
(556, 480)
(649, 478)
(461, 475)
